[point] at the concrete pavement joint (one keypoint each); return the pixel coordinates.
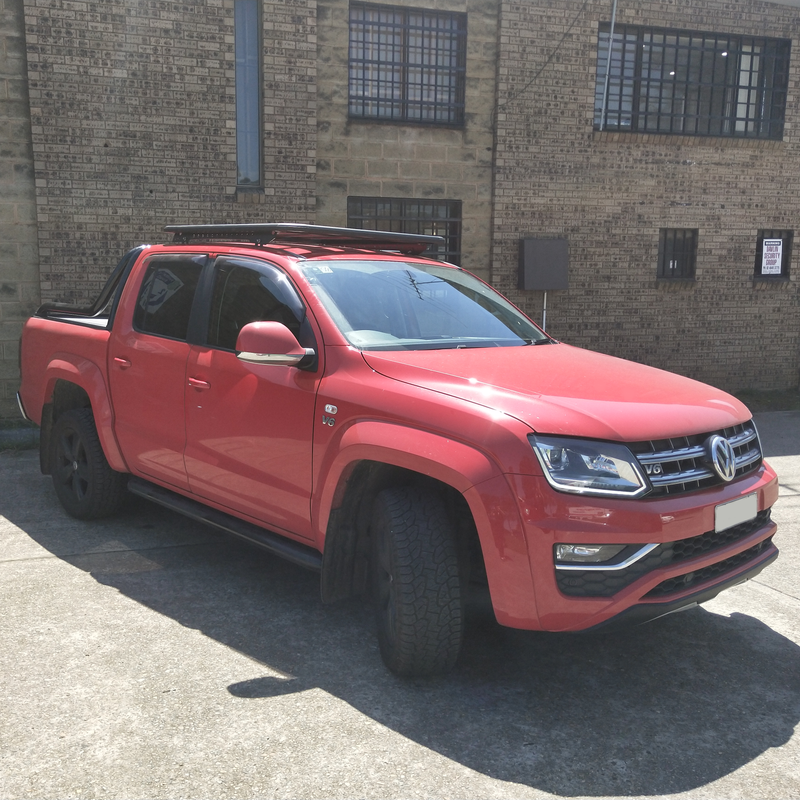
(774, 589)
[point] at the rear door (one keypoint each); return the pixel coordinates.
(147, 368)
(249, 427)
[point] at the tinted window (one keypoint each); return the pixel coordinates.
(245, 294)
(166, 297)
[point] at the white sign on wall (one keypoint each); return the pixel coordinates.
(772, 257)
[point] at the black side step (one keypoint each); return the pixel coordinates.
(295, 552)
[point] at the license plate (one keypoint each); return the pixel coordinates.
(743, 509)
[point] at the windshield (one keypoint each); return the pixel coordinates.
(394, 305)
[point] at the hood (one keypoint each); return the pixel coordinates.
(559, 389)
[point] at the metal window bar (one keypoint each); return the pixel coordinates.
(409, 215)
(407, 64)
(787, 238)
(690, 83)
(677, 253)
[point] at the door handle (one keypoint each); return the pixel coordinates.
(122, 363)
(196, 383)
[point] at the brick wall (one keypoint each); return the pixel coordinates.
(609, 193)
(133, 114)
(133, 127)
(385, 159)
(19, 275)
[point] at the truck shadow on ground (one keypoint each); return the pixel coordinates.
(660, 709)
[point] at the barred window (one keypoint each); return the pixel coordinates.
(773, 253)
(407, 215)
(684, 82)
(407, 64)
(677, 253)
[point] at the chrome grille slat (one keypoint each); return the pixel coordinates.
(681, 477)
(671, 455)
(739, 439)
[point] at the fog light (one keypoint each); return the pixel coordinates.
(587, 553)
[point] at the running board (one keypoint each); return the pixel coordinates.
(297, 553)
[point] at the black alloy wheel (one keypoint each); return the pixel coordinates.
(85, 484)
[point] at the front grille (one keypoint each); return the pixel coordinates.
(601, 583)
(679, 465)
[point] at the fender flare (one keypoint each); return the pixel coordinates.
(413, 449)
(89, 377)
(478, 478)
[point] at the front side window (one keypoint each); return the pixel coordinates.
(166, 296)
(246, 291)
(398, 305)
(409, 215)
(677, 253)
(407, 64)
(684, 82)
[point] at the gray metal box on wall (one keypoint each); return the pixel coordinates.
(543, 264)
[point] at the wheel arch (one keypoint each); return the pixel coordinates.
(75, 382)
(346, 554)
(371, 457)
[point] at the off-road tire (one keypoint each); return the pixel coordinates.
(84, 482)
(416, 584)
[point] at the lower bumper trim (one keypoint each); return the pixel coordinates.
(647, 612)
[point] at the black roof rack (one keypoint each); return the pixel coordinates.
(266, 232)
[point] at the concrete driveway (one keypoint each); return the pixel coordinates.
(147, 657)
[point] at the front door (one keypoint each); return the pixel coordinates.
(249, 427)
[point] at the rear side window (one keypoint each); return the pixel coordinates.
(246, 292)
(165, 299)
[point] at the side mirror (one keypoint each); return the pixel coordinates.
(270, 343)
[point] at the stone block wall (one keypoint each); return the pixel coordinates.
(133, 124)
(387, 159)
(19, 273)
(610, 193)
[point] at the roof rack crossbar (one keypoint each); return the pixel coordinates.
(264, 232)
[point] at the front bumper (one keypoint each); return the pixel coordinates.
(690, 564)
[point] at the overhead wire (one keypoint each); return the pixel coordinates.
(544, 66)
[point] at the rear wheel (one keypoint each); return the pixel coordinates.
(417, 587)
(84, 482)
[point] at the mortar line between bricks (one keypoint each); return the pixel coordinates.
(139, 550)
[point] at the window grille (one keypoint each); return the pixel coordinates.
(689, 83)
(773, 253)
(406, 215)
(407, 64)
(677, 253)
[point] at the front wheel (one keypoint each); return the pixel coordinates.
(417, 587)
(84, 482)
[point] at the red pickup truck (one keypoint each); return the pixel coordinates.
(393, 422)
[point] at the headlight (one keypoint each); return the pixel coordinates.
(586, 467)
